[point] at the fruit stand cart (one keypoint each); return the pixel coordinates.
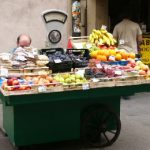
(91, 115)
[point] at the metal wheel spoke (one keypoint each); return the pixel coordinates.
(113, 132)
(106, 137)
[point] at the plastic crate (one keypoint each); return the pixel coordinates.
(56, 63)
(79, 57)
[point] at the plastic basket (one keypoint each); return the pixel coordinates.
(55, 66)
(79, 57)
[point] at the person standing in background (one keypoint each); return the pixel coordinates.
(128, 34)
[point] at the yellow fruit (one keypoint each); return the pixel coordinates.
(93, 54)
(118, 57)
(132, 55)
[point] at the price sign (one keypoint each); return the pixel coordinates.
(4, 72)
(118, 72)
(121, 42)
(85, 86)
(22, 58)
(112, 58)
(57, 61)
(99, 66)
(95, 80)
(42, 89)
(30, 55)
(104, 27)
(35, 51)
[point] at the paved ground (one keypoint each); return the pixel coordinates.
(135, 132)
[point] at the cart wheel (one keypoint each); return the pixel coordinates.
(100, 127)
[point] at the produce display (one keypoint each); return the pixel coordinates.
(54, 70)
(69, 78)
(102, 37)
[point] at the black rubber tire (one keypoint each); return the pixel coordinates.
(100, 126)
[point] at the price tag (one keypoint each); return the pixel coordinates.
(79, 59)
(99, 66)
(5, 57)
(104, 27)
(42, 89)
(85, 86)
(22, 58)
(121, 42)
(112, 58)
(118, 72)
(57, 61)
(81, 72)
(4, 72)
(35, 51)
(95, 80)
(30, 55)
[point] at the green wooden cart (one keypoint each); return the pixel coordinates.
(91, 115)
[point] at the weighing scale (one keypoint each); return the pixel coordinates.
(55, 22)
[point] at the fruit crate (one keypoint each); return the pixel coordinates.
(58, 60)
(34, 89)
(79, 57)
(47, 88)
(7, 92)
(100, 83)
(77, 86)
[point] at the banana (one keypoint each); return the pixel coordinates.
(103, 31)
(109, 35)
(106, 40)
(111, 41)
(100, 42)
(94, 30)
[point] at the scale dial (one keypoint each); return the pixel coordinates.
(54, 36)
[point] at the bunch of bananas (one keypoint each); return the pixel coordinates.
(102, 37)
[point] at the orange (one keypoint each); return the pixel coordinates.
(132, 55)
(93, 54)
(118, 56)
(124, 55)
(100, 52)
(112, 52)
(106, 53)
(101, 57)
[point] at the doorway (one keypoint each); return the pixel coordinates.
(138, 11)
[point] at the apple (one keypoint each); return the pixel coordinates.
(111, 47)
(10, 82)
(28, 88)
(142, 72)
(15, 82)
(144, 67)
(16, 87)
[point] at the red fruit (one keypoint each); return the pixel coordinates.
(111, 47)
(15, 88)
(28, 88)
(15, 82)
(142, 72)
(10, 82)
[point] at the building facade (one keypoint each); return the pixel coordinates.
(25, 17)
